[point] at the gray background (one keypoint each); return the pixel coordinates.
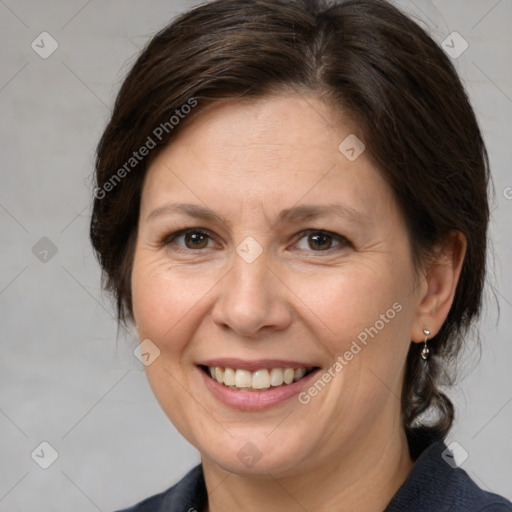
(65, 377)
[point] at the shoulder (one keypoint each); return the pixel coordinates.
(188, 495)
(468, 497)
(152, 504)
(437, 484)
(497, 507)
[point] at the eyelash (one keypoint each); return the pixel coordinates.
(342, 241)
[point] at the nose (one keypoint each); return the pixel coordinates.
(252, 299)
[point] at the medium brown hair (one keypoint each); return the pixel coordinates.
(374, 63)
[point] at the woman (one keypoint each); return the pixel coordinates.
(291, 207)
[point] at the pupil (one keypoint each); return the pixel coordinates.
(321, 241)
(196, 239)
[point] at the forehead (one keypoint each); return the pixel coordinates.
(274, 150)
(278, 125)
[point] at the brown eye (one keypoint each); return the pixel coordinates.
(188, 239)
(196, 240)
(317, 241)
(320, 241)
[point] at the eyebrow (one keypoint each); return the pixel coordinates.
(291, 215)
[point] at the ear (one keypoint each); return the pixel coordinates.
(441, 278)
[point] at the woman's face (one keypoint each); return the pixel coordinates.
(296, 256)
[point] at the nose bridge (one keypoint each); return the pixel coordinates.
(250, 270)
(250, 297)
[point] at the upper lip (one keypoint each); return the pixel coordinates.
(256, 364)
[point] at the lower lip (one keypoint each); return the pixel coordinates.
(255, 400)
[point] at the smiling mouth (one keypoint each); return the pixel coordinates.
(259, 380)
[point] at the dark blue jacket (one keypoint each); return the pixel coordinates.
(432, 486)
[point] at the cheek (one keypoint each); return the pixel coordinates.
(347, 302)
(158, 297)
(367, 318)
(163, 296)
(366, 314)
(164, 306)
(149, 294)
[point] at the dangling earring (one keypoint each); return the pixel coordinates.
(425, 351)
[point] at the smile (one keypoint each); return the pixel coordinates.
(259, 380)
(255, 385)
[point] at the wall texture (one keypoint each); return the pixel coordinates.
(66, 380)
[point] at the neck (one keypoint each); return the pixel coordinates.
(364, 478)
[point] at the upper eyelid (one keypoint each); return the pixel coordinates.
(343, 240)
(171, 237)
(324, 231)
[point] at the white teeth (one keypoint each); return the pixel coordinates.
(258, 380)
(276, 377)
(229, 377)
(261, 379)
(289, 375)
(243, 379)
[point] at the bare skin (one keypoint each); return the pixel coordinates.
(247, 161)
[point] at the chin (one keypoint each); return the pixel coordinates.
(255, 455)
